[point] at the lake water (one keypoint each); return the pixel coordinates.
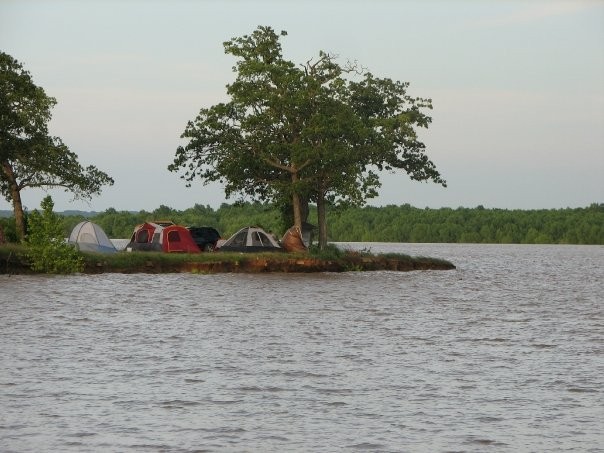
(505, 353)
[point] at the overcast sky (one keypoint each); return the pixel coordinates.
(517, 88)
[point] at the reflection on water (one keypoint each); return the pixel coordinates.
(505, 352)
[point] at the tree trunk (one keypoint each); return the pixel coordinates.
(296, 204)
(15, 195)
(322, 218)
(304, 209)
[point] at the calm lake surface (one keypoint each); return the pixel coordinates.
(505, 353)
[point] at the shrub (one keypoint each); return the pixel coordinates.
(47, 250)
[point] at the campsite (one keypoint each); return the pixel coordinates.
(167, 237)
(161, 246)
(167, 248)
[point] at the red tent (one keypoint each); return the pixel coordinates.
(171, 238)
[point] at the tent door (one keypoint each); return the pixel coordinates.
(174, 243)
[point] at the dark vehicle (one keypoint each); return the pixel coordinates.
(205, 237)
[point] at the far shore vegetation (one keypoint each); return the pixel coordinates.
(368, 224)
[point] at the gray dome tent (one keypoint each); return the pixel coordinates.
(89, 237)
(251, 239)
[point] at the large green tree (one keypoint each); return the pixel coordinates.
(29, 156)
(304, 132)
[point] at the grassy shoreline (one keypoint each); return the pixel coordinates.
(13, 260)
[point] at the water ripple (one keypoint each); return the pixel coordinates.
(504, 353)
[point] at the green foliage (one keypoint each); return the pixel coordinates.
(24, 108)
(234, 217)
(227, 219)
(379, 224)
(29, 156)
(397, 256)
(304, 132)
(329, 253)
(134, 260)
(408, 224)
(50, 163)
(13, 258)
(47, 249)
(8, 227)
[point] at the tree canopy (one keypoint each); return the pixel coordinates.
(29, 156)
(306, 132)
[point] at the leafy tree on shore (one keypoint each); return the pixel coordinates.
(303, 133)
(47, 249)
(29, 156)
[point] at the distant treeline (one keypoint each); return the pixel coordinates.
(377, 224)
(476, 225)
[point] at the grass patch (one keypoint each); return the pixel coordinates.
(330, 252)
(158, 261)
(396, 256)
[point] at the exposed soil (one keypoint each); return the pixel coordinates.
(287, 265)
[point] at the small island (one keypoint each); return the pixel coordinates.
(13, 260)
